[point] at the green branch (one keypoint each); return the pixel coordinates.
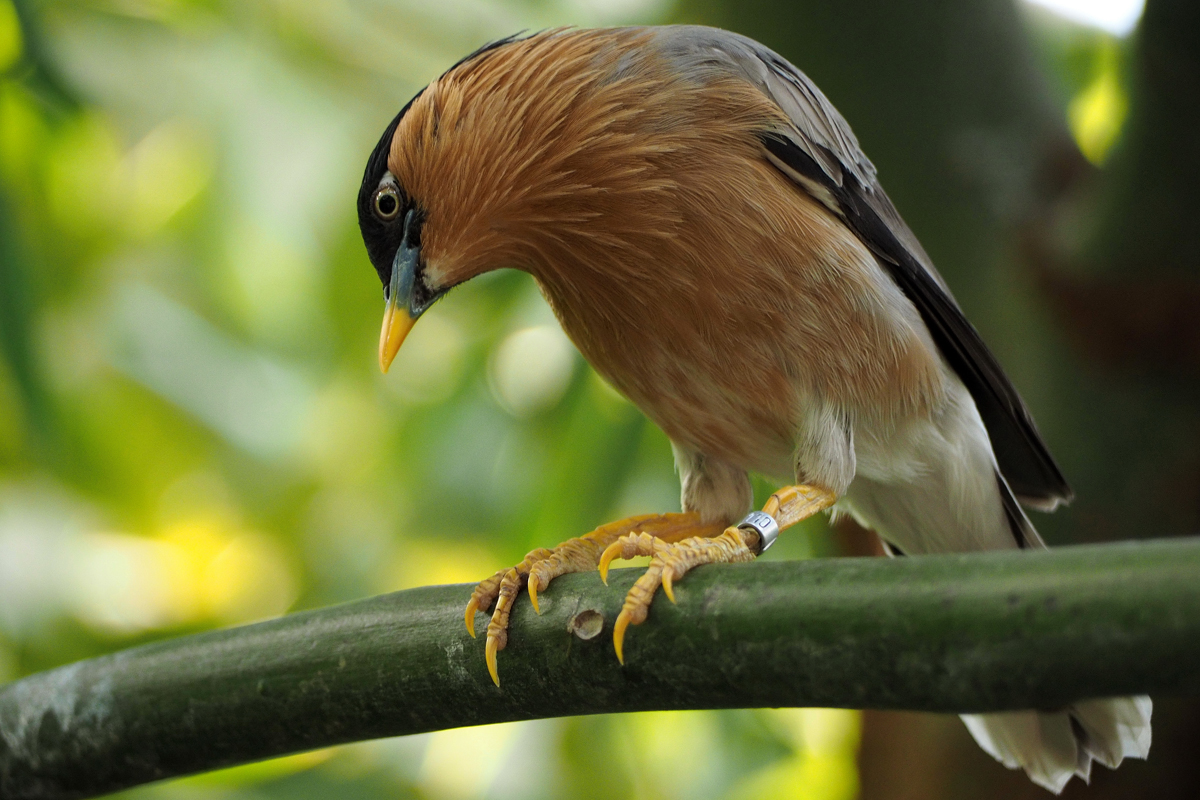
(979, 632)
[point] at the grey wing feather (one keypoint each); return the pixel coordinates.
(819, 151)
(698, 51)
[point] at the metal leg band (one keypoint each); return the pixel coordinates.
(764, 525)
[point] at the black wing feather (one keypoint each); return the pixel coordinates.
(1020, 452)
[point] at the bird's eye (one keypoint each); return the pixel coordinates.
(387, 203)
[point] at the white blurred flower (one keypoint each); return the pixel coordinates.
(531, 369)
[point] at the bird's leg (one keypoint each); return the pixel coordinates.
(574, 555)
(672, 560)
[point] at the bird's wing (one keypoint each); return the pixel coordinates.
(819, 151)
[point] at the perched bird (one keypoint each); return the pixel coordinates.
(711, 237)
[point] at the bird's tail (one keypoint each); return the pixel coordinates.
(959, 502)
(1053, 746)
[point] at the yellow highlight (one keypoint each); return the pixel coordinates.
(1097, 113)
(823, 764)
(260, 772)
(669, 754)
(96, 186)
(428, 563)
(232, 578)
(10, 35)
(200, 569)
(465, 763)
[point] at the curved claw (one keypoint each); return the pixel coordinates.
(611, 553)
(489, 655)
(532, 588)
(469, 617)
(619, 635)
(667, 578)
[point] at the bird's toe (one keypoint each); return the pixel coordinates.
(670, 562)
(581, 554)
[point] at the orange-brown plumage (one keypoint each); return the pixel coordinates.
(545, 156)
(712, 238)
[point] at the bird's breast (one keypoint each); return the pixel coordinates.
(723, 333)
(708, 385)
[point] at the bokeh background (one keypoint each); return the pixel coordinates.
(194, 432)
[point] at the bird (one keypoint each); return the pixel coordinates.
(712, 238)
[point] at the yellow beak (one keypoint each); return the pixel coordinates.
(400, 313)
(397, 322)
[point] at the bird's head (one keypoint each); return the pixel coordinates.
(391, 223)
(503, 161)
(578, 156)
(471, 167)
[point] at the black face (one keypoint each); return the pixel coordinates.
(383, 207)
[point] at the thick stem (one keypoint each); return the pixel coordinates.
(976, 632)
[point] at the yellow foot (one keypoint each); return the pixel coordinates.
(575, 555)
(792, 504)
(671, 561)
